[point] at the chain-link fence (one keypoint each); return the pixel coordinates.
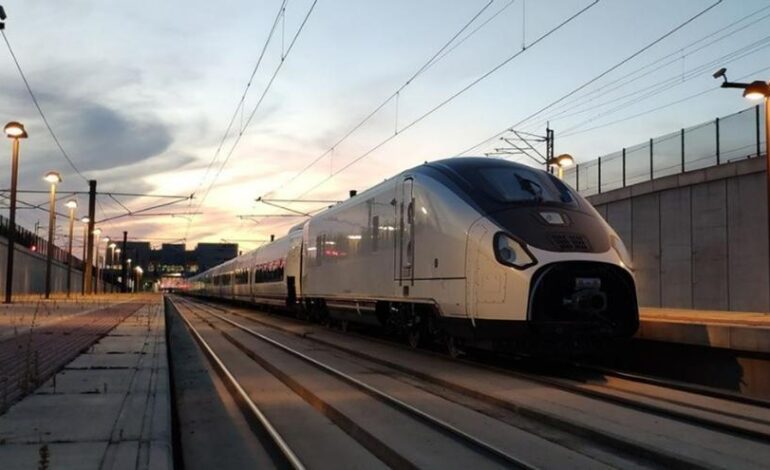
(722, 140)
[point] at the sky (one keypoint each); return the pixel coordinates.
(140, 94)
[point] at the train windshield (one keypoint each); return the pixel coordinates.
(508, 184)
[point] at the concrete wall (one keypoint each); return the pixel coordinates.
(29, 272)
(698, 239)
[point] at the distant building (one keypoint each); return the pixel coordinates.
(208, 255)
(174, 259)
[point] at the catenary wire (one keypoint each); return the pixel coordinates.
(594, 79)
(39, 109)
(568, 108)
(257, 105)
(436, 57)
(239, 106)
(673, 81)
(452, 97)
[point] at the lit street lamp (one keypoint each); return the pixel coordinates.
(14, 131)
(139, 273)
(53, 178)
(85, 221)
(108, 261)
(97, 233)
(116, 264)
(127, 272)
(72, 205)
(561, 162)
(756, 90)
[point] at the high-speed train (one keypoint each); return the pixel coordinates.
(465, 250)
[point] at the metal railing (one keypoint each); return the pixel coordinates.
(734, 137)
(37, 244)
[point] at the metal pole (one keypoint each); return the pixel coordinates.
(96, 278)
(624, 168)
(599, 173)
(123, 256)
(652, 166)
(12, 222)
(51, 230)
(69, 250)
(767, 169)
(716, 123)
(759, 138)
(85, 254)
(89, 269)
(682, 151)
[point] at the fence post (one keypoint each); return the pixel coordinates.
(716, 122)
(624, 167)
(682, 137)
(599, 171)
(759, 137)
(577, 177)
(652, 173)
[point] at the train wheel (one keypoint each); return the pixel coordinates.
(413, 337)
(451, 347)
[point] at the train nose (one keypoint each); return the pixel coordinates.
(587, 301)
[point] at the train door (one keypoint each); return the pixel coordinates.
(405, 238)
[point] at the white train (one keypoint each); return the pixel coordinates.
(466, 250)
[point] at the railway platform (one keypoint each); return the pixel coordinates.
(85, 384)
(741, 331)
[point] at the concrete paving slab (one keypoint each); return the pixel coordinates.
(109, 408)
(125, 344)
(78, 417)
(80, 455)
(105, 361)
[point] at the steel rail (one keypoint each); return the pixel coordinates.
(277, 439)
(442, 425)
(564, 384)
(558, 383)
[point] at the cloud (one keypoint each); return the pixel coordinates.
(109, 139)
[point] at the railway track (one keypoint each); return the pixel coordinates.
(725, 412)
(476, 450)
(718, 418)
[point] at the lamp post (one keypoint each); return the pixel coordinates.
(97, 233)
(72, 205)
(116, 265)
(111, 246)
(562, 161)
(756, 90)
(53, 178)
(14, 131)
(85, 221)
(139, 273)
(127, 271)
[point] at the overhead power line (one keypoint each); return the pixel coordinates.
(568, 107)
(239, 106)
(261, 99)
(658, 108)
(453, 96)
(39, 109)
(594, 79)
(436, 57)
(284, 56)
(669, 83)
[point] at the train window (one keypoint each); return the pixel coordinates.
(523, 185)
(242, 276)
(269, 272)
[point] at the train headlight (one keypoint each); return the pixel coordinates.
(511, 252)
(620, 249)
